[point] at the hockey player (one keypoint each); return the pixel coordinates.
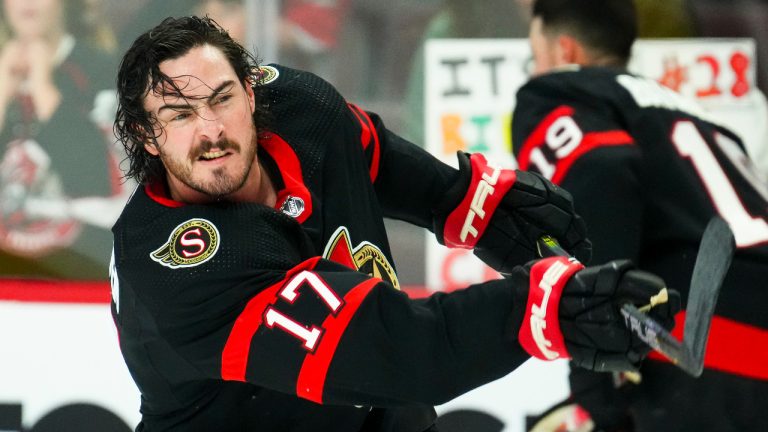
(253, 286)
(647, 170)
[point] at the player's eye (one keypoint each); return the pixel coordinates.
(180, 116)
(222, 98)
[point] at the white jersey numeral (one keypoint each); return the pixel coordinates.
(747, 229)
(308, 335)
(539, 160)
(562, 137)
(273, 318)
(290, 292)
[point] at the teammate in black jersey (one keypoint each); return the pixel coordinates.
(253, 285)
(647, 170)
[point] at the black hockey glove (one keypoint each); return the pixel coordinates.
(574, 312)
(501, 213)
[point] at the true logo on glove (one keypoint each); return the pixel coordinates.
(540, 333)
(646, 334)
(539, 312)
(485, 187)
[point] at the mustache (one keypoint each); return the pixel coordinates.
(207, 145)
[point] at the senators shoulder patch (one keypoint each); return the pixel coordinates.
(266, 74)
(190, 244)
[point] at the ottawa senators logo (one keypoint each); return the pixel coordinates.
(190, 244)
(365, 258)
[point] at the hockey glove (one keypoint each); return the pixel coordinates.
(501, 213)
(574, 312)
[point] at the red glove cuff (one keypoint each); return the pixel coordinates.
(468, 221)
(540, 334)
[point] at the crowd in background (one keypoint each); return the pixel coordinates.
(368, 48)
(59, 169)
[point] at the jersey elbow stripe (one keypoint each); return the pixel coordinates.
(365, 134)
(234, 357)
(732, 347)
(314, 370)
(369, 134)
(590, 142)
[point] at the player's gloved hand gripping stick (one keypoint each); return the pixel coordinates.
(574, 312)
(712, 263)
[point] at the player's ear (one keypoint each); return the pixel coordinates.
(248, 84)
(570, 50)
(151, 147)
(150, 144)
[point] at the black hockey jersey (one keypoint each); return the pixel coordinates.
(240, 317)
(647, 170)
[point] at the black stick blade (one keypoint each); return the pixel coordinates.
(712, 264)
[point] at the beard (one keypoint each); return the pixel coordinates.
(224, 181)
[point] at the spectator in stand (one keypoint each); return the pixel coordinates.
(308, 33)
(58, 173)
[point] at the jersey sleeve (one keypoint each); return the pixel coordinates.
(356, 340)
(409, 181)
(317, 330)
(583, 147)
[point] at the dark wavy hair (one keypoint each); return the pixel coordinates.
(140, 73)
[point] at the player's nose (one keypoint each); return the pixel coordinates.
(209, 126)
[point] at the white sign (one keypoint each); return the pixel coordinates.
(58, 354)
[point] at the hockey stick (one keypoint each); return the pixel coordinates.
(712, 263)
